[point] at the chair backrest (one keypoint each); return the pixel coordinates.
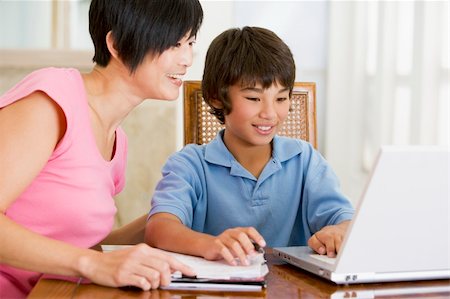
(201, 127)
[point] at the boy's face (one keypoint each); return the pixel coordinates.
(256, 114)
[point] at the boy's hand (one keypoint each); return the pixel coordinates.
(234, 243)
(329, 239)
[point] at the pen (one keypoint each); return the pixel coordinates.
(258, 248)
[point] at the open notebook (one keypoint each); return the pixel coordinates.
(215, 275)
(400, 230)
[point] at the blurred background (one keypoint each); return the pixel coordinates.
(381, 69)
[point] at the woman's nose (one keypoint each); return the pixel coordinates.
(187, 56)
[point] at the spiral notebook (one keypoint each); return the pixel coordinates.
(215, 275)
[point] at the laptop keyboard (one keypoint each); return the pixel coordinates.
(324, 258)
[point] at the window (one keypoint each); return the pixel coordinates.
(45, 25)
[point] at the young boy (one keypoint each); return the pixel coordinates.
(248, 185)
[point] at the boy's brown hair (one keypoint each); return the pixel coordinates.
(246, 56)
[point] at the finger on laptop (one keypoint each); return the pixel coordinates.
(326, 237)
(317, 245)
(338, 243)
(330, 246)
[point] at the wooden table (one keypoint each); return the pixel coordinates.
(283, 281)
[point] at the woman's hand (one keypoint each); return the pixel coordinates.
(234, 243)
(141, 266)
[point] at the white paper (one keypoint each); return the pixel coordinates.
(222, 270)
(214, 269)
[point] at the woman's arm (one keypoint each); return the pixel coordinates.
(29, 132)
(140, 266)
(30, 129)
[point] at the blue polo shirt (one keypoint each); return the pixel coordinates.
(295, 196)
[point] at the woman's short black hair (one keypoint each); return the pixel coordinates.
(246, 56)
(141, 27)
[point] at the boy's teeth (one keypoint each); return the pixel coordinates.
(264, 128)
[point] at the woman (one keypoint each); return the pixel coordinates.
(63, 153)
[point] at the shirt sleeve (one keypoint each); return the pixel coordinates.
(178, 191)
(324, 203)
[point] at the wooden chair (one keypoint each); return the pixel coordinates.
(201, 127)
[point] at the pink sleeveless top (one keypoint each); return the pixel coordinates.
(71, 199)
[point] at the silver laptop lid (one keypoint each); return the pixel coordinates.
(402, 221)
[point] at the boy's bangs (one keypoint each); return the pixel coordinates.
(266, 80)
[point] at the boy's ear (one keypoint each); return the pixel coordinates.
(216, 104)
(111, 45)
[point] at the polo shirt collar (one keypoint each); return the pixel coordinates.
(217, 153)
(284, 149)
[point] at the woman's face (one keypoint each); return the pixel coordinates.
(160, 77)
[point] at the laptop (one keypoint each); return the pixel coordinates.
(400, 231)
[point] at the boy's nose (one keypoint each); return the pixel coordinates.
(268, 111)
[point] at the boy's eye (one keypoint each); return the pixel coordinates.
(281, 99)
(192, 43)
(252, 99)
(177, 45)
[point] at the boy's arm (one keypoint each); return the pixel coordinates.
(166, 231)
(327, 209)
(129, 234)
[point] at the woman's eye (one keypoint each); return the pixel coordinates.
(281, 99)
(252, 99)
(192, 43)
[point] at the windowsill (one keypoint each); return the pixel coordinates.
(20, 58)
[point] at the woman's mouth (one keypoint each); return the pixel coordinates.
(176, 79)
